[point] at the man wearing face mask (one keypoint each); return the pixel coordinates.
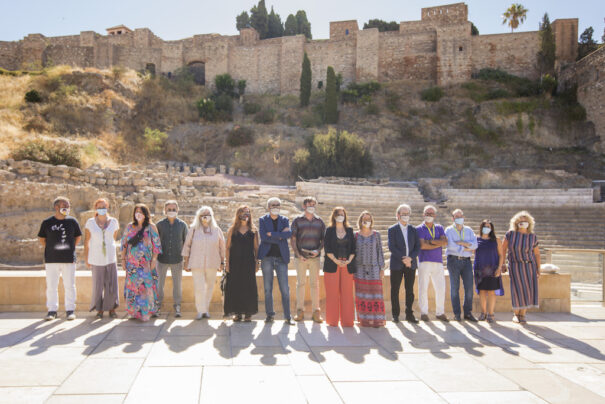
(308, 232)
(59, 234)
(432, 240)
(274, 254)
(405, 247)
(173, 233)
(461, 242)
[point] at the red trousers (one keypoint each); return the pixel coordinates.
(340, 303)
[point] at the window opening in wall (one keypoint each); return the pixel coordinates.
(346, 32)
(460, 49)
(198, 70)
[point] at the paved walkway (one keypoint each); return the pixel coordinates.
(558, 358)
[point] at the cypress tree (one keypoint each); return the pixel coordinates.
(546, 54)
(259, 19)
(331, 107)
(305, 81)
(290, 27)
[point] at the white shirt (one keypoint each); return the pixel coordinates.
(404, 230)
(95, 244)
(204, 249)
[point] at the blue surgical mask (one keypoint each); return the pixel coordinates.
(101, 212)
(486, 230)
(459, 220)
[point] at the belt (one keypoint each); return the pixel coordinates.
(523, 262)
(459, 258)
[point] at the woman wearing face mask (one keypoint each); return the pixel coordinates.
(521, 244)
(487, 269)
(241, 296)
(140, 248)
(204, 254)
(100, 251)
(339, 267)
(369, 300)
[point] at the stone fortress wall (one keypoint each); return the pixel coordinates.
(438, 48)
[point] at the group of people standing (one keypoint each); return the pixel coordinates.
(353, 265)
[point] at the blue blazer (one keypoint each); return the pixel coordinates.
(397, 243)
(265, 225)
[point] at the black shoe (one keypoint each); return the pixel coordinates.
(51, 315)
(411, 319)
(425, 317)
(269, 319)
(289, 321)
(470, 317)
(457, 317)
(395, 319)
(70, 315)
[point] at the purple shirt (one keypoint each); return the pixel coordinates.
(435, 255)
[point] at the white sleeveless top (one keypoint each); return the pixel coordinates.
(96, 256)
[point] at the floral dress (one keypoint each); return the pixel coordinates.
(140, 287)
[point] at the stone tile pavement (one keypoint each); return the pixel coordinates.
(556, 358)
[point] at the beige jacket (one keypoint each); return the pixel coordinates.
(205, 250)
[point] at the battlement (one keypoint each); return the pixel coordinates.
(448, 14)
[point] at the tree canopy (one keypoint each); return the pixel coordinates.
(514, 16)
(270, 25)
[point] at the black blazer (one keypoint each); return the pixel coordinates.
(330, 247)
(396, 242)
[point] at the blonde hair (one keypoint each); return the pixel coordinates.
(359, 221)
(94, 205)
(514, 221)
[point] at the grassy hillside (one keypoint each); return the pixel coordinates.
(489, 122)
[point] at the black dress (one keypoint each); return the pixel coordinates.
(241, 296)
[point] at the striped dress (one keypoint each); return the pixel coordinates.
(523, 269)
(369, 300)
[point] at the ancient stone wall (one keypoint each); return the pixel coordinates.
(514, 53)
(438, 48)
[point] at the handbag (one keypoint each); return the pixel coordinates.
(223, 282)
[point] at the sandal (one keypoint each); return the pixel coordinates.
(237, 317)
(482, 317)
(522, 320)
(99, 315)
(490, 318)
(113, 314)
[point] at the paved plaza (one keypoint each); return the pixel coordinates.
(557, 358)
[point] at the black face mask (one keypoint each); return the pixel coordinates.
(244, 217)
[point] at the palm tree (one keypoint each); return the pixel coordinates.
(514, 15)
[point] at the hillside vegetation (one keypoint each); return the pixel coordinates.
(401, 130)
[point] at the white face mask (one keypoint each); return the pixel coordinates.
(366, 224)
(459, 220)
(523, 225)
(101, 211)
(404, 219)
(275, 211)
(139, 216)
(339, 219)
(429, 219)
(64, 211)
(171, 214)
(310, 209)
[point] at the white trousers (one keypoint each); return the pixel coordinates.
(53, 272)
(203, 285)
(431, 271)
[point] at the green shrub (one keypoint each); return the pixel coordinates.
(349, 96)
(155, 142)
(432, 94)
(33, 96)
(224, 84)
(240, 136)
(241, 87)
(522, 87)
(496, 93)
(392, 101)
(206, 109)
(251, 108)
(55, 153)
(334, 153)
(549, 84)
(312, 118)
(265, 116)
(355, 91)
(331, 103)
(575, 112)
(224, 107)
(372, 109)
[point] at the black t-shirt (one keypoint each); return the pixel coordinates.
(60, 238)
(274, 251)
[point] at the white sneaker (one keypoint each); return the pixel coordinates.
(70, 315)
(177, 310)
(199, 316)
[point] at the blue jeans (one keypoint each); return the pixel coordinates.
(268, 264)
(460, 268)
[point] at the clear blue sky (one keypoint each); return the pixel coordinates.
(179, 19)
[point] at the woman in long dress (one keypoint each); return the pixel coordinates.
(521, 244)
(369, 299)
(140, 248)
(241, 295)
(487, 269)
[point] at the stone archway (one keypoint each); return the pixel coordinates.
(198, 70)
